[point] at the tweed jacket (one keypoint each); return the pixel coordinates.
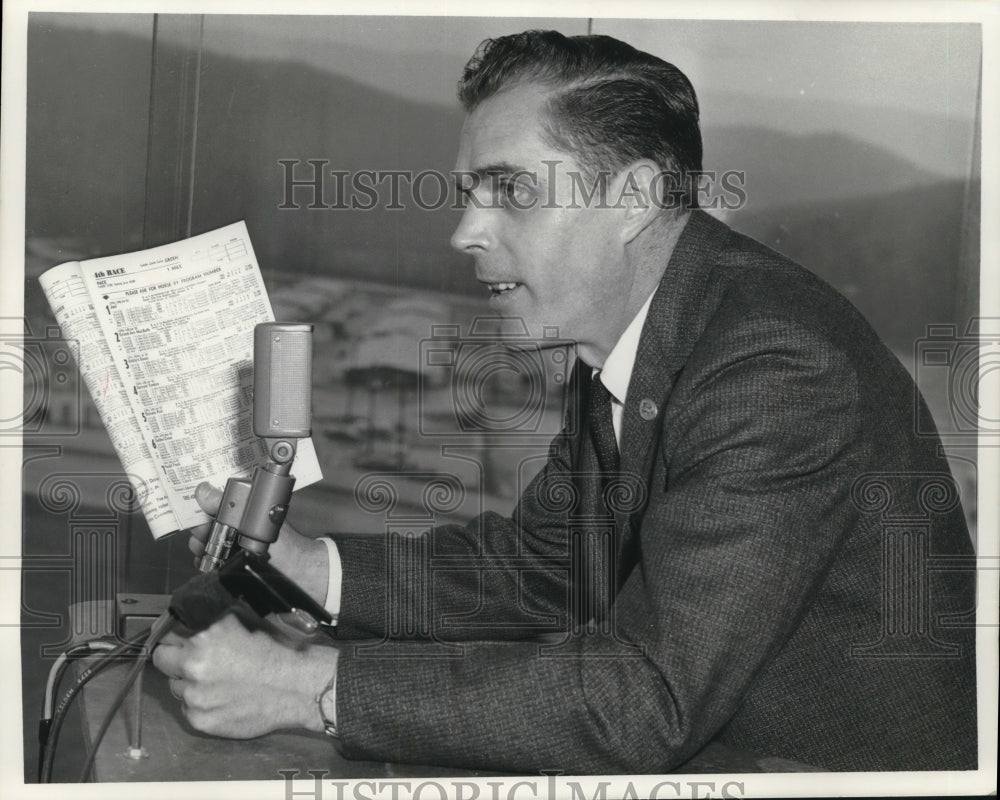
(769, 568)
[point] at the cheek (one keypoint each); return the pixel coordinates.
(592, 247)
(566, 255)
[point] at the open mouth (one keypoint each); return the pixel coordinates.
(502, 288)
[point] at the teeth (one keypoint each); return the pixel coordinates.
(502, 287)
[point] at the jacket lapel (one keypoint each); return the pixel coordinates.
(677, 317)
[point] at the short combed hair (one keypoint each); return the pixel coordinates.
(611, 104)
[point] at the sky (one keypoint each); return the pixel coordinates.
(900, 65)
(907, 87)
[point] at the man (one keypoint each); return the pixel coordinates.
(703, 550)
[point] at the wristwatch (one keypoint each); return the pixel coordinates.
(327, 702)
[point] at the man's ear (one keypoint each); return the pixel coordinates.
(635, 193)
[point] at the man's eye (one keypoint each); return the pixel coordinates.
(515, 192)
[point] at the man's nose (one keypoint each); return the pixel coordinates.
(474, 230)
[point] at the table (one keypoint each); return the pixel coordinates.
(174, 751)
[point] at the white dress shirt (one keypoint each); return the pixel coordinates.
(617, 370)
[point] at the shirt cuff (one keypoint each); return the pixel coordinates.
(335, 578)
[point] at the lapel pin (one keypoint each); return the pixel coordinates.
(647, 409)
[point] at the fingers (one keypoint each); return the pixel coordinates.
(168, 657)
(208, 497)
(172, 639)
(196, 542)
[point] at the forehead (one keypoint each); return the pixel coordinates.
(507, 128)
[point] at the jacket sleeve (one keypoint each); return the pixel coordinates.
(496, 577)
(749, 504)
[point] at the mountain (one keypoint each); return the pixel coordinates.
(86, 135)
(897, 255)
(940, 143)
(257, 115)
(784, 169)
(879, 226)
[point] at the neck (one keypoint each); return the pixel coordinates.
(649, 252)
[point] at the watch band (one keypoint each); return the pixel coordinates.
(327, 702)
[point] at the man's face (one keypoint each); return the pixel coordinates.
(545, 253)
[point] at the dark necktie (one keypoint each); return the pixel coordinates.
(602, 430)
(595, 540)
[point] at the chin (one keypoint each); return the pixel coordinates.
(522, 335)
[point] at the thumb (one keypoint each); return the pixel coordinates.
(209, 497)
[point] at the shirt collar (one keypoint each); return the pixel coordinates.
(617, 370)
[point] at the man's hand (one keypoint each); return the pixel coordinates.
(301, 558)
(238, 684)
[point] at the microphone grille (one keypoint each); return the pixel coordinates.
(282, 405)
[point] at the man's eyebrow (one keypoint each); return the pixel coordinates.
(500, 169)
(493, 173)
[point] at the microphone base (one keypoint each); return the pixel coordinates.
(136, 612)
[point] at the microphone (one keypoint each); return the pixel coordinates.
(252, 511)
(282, 380)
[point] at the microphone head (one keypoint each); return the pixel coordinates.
(282, 380)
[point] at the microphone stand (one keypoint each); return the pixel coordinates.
(234, 571)
(252, 510)
(250, 517)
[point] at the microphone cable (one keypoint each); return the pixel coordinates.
(56, 673)
(58, 717)
(157, 631)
